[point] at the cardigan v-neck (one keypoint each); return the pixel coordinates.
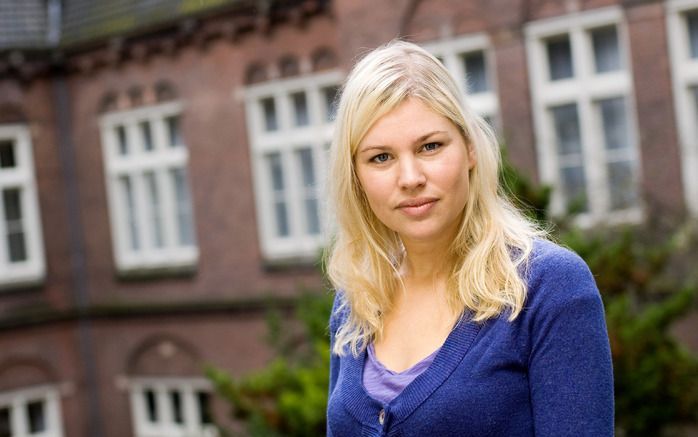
(355, 398)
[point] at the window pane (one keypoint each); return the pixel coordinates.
(330, 94)
(615, 125)
(574, 188)
(300, 109)
(146, 136)
(16, 246)
(269, 109)
(7, 154)
(37, 417)
(694, 90)
(151, 406)
(622, 184)
(476, 72)
(606, 49)
(566, 129)
(560, 58)
(692, 21)
(279, 196)
(176, 401)
(122, 140)
(174, 135)
(305, 157)
(5, 425)
(204, 401)
(129, 203)
(155, 209)
(312, 219)
(185, 222)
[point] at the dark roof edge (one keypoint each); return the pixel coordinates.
(82, 44)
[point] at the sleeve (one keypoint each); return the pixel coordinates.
(334, 324)
(334, 358)
(570, 367)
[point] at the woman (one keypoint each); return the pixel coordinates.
(455, 316)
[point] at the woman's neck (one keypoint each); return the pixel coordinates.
(425, 263)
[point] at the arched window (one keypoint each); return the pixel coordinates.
(288, 66)
(255, 73)
(324, 58)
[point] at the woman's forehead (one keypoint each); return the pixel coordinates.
(410, 120)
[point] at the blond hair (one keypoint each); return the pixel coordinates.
(494, 239)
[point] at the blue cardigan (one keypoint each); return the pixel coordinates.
(547, 373)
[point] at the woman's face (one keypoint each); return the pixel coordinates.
(413, 166)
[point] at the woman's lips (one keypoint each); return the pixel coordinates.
(417, 207)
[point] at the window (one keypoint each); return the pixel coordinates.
(559, 57)
(583, 113)
(21, 244)
(30, 412)
(172, 407)
(148, 188)
(607, 55)
(469, 59)
(682, 26)
(692, 24)
(290, 122)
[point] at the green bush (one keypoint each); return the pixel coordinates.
(289, 396)
(656, 379)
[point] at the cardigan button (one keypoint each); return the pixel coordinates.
(381, 417)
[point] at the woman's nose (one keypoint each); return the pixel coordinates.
(411, 174)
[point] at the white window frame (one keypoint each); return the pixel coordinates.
(33, 269)
(17, 400)
(166, 427)
(451, 52)
(685, 76)
(298, 246)
(584, 89)
(160, 161)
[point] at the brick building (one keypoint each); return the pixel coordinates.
(161, 168)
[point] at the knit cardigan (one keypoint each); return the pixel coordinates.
(547, 373)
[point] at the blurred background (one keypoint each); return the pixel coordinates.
(163, 164)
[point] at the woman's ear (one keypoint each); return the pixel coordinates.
(472, 156)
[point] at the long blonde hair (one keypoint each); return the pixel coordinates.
(494, 239)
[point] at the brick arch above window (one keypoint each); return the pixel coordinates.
(256, 73)
(136, 96)
(20, 372)
(165, 91)
(163, 355)
(289, 66)
(109, 102)
(324, 58)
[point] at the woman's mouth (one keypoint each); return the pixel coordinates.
(418, 207)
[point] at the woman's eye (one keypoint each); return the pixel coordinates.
(429, 147)
(380, 158)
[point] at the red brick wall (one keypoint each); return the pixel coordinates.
(209, 83)
(660, 158)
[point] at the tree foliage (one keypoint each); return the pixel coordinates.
(289, 396)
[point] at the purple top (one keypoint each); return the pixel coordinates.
(383, 384)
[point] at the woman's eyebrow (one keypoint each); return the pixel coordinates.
(426, 136)
(418, 140)
(372, 148)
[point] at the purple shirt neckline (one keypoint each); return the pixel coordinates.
(384, 384)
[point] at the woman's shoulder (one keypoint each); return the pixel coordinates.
(340, 311)
(548, 256)
(557, 274)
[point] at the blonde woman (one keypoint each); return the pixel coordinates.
(454, 315)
